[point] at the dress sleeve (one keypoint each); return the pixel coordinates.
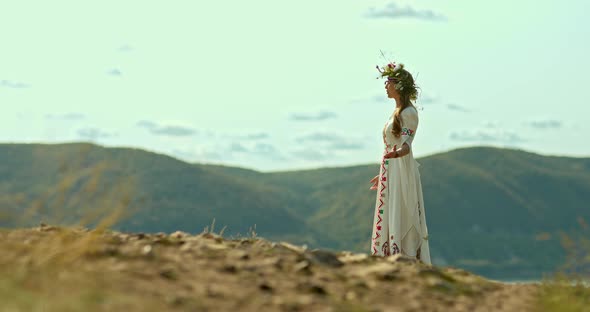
(409, 125)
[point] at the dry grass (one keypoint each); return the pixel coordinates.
(66, 267)
(46, 273)
(568, 289)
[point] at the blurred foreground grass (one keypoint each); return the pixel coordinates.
(568, 288)
(49, 272)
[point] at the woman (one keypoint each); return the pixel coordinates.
(399, 222)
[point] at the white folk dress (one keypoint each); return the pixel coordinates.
(399, 224)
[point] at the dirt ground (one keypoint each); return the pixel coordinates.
(57, 269)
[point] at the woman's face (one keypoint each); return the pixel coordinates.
(390, 88)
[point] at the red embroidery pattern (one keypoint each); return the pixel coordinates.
(395, 248)
(408, 131)
(385, 249)
(378, 227)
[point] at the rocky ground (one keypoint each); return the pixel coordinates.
(56, 269)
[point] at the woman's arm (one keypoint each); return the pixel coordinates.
(404, 150)
(399, 152)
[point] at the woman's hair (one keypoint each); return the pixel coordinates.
(408, 91)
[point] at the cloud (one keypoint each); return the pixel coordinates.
(264, 148)
(173, 131)
(249, 151)
(13, 85)
(308, 117)
(491, 124)
(147, 124)
(331, 141)
(167, 130)
(458, 108)
(427, 100)
(380, 97)
(393, 11)
(238, 147)
(68, 116)
(347, 146)
(115, 72)
(258, 149)
(94, 133)
(310, 154)
(125, 48)
(256, 136)
(546, 124)
(486, 135)
(267, 151)
(319, 137)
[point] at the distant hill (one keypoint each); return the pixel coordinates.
(175, 195)
(497, 212)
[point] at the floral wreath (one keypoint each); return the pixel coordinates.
(393, 73)
(402, 80)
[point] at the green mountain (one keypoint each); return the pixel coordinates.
(496, 212)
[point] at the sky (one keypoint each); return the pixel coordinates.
(274, 86)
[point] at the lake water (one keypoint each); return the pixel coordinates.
(586, 283)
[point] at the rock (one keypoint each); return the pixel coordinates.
(292, 247)
(214, 291)
(265, 286)
(147, 250)
(238, 254)
(169, 273)
(380, 268)
(350, 295)
(274, 261)
(213, 236)
(303, 266)
(109, 251)
(313, 288)
(123, 238)
(304, 299)
(46, 228)
(179, 235)
(216, 246)
(186, 247)
(229, 268)
(401, 258)
(352, 258)
(323, 257)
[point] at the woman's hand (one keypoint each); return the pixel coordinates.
(403, 151)
(393, 154)
(374, 182)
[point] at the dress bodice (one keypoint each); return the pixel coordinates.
(409, 120)
(389, 140)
